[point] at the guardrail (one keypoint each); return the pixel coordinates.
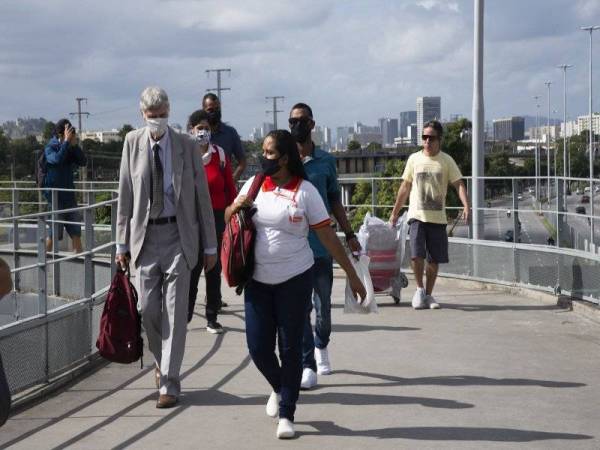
(53, 315)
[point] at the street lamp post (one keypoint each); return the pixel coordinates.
(548, 83)
(591, 30)
(564, 68)
(537, 149)
(477, 146)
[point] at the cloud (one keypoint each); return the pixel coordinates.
(351, 60)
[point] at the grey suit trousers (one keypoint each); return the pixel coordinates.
(164, 281)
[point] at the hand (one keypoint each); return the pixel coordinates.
(241, 202)
(122, 261)
(465, 215)
(393, 219)
(209, 262)
(354, 246)
(357, 288)
(70, 135)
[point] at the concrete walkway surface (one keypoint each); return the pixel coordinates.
(490, 370)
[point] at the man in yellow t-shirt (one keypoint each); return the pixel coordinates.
(426, 178)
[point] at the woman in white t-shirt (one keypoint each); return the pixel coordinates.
(276, 298)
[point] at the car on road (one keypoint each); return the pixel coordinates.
(577, 192)
(580, 209)
(509, 236)
(585, 199)
(519, 197)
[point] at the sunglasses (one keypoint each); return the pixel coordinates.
(424, 137)
(294, 120)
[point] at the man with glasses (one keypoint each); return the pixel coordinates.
(426, 178)
(320, 169)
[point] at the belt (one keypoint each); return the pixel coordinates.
(162, 220)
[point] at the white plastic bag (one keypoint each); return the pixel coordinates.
(369, 305)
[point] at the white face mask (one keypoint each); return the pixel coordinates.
(157, 126)
(203, 137)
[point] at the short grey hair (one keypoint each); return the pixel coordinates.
(153, 98)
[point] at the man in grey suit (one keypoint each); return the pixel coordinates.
(164, 215)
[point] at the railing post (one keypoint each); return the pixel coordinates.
(16, 238)
(373, 196)
(88, 261)
(516, 229)
(42, 269)
(55, 227)
(113, 234)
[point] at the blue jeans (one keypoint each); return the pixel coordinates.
(276, 312)
(322, 282)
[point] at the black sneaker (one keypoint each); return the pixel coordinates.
(214, 327)
(222, 305)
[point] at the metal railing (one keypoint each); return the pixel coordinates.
(50, 324)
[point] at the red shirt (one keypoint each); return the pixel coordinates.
(220, 182)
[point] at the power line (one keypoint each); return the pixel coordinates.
(274, 110)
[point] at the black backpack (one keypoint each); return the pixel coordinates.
(4, 396)
(42, 169)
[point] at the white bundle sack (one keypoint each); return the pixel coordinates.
(351, 304)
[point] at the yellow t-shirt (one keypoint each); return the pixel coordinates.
(429, 176)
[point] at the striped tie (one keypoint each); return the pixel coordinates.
(157, 200)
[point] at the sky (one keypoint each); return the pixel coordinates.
(350, 60)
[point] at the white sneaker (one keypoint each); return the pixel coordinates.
(322, 358)
(285, 429)
(431, 302)
(273, 404)
(309, 379)
(418, 300)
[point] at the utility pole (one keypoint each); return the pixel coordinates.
(548, 83)
(79, 113)
(591, 135)
(219, 88)
(274, 110)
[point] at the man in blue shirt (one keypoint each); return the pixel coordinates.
(62, 154)
(320, 169)
(223, 135)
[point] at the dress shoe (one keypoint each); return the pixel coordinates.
(166, 401)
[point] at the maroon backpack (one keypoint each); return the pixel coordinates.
(237, 248)
(120, 337)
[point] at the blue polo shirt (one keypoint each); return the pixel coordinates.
(228, 139)
(321, 172)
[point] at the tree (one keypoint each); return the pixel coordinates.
(126, 128)
(374, 146)
(48, 131)
(353, 145)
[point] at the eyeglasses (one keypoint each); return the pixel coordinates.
(294, 120)
(432, 138)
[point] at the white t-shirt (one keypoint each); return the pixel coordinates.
(283, 218)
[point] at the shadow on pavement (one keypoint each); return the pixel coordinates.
(327, 428)
(449, 380)
(343, 328)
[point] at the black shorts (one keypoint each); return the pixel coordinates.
(428, 240)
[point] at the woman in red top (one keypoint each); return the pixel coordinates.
(222, 193)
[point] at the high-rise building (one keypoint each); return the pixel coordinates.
(341, 135)
(406, 118)
(389, 131)
(509, 129)
(428, 108)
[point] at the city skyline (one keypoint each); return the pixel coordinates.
(109, 61)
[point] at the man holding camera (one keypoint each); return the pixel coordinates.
(62, 154)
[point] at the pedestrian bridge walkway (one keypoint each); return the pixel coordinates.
(492, 369)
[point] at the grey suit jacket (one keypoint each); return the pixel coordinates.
(195, 220)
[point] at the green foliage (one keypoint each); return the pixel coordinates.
(353, 145)
(103, 212)
(252, 148)
(386, 194)
(457, 144)
(126, 128)
(374, 146)
(48, 130)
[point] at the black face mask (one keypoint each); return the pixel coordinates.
(300, 131)
(269, 166)
(214, 117)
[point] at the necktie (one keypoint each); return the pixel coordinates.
(157, 201)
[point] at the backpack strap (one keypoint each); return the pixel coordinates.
(255, 186)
